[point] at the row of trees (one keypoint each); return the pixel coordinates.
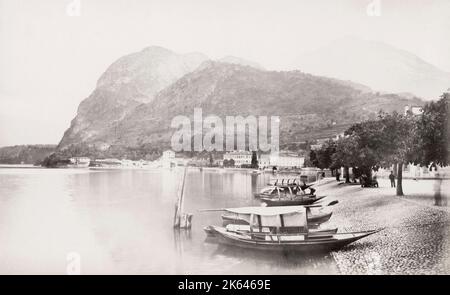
(391, 139)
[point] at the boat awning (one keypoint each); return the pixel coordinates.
(289, 216)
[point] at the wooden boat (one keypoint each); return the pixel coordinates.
(302, 242)
(211, 232)
(314, 217)
(282, 229)
(285, 190)
(291, 200)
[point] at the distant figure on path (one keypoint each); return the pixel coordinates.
(392, 178)
(338, 175)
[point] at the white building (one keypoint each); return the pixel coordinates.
(239, 157)
(413, 110)
(79, 162)
(167, 159)
(169, 154)
(281, 160)
(264, 161)
(316, 147)
(286, 160)
(339, 136)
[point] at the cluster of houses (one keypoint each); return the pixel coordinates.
(239, 159)
(279, 160)
(243, 159)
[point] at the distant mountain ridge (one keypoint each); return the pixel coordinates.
(25, 154)
(137, 97)
(240, 61)
(378, 65)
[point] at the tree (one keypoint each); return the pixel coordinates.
(395, 139)
(399, 135)
(390, 139)
(254, 163)
(346, 155)
(433, 133)
(433, 129)
(312, 159)
(323, 155)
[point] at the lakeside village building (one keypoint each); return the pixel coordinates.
(280, 160)
(81, 162)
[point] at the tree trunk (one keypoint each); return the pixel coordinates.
(347, 174)
(399, 179)
(369, 175)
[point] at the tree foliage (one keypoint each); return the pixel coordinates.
(322, 158)
(433, 133)
(392, 139)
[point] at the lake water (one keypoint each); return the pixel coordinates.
(120, 222)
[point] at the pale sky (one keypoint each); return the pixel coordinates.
(50, 61)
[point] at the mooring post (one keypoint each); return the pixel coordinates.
(182, 220)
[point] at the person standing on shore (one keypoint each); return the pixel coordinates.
(392, 178)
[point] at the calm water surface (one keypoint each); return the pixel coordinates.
(120, 222)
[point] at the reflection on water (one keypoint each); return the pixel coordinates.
(121, 222)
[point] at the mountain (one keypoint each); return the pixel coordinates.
(128, 82)
(378, 65)
(25, 154)
(309, 107)
(240, 61)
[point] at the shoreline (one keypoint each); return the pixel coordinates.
(416, 234)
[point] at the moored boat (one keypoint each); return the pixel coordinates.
(211, 232)
(293, 200)
(281, 229)
(302, 242)
(289, 189)
(315, 214)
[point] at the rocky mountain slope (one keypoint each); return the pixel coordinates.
(309, 106)
(128, 82)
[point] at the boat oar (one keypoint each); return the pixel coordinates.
(318, 205)
(334, 202)
(211, 210)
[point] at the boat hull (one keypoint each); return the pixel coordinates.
(264, 195)
(211, 232)
(296, 201)
(326, 244)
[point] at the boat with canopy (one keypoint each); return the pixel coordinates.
(282, 228)
(315, 214)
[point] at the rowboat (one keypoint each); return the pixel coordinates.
(315, 214)
(211, 232)
(301, 242)
(293, 200)
(281, 229)
(285, 191)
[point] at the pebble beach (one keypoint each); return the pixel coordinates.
(415, 238)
